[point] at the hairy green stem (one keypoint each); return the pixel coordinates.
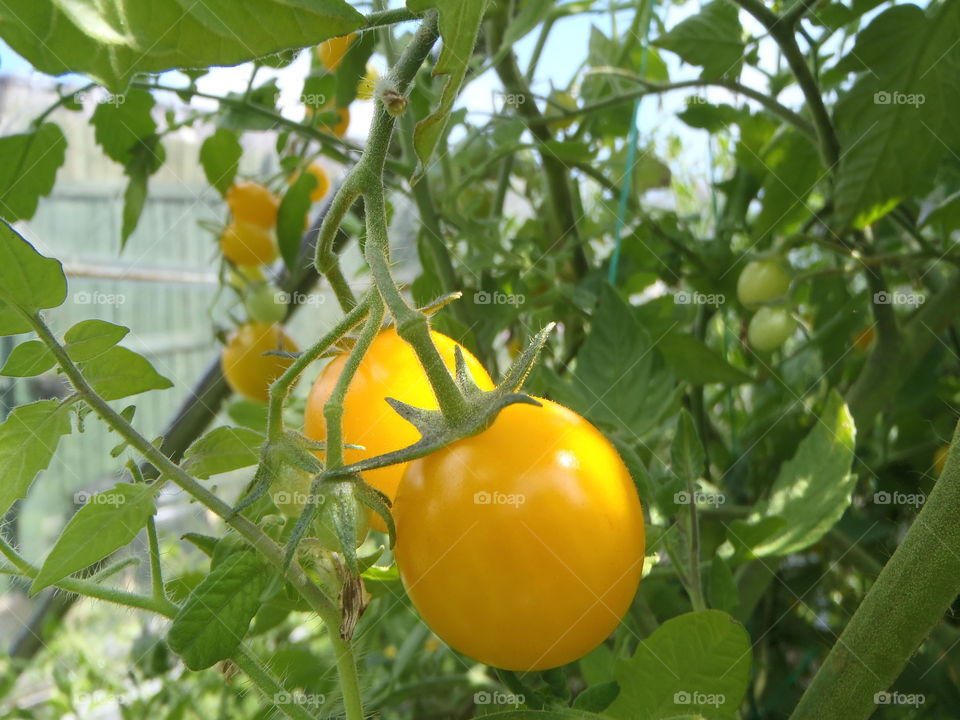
(284, 701)
(910, 597)
(156, 574)
(281, 386)
(388, 17)
(333, 409)
(272, 552)
(326, 259)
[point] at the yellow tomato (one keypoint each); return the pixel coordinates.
(389, 369)
(522, 547)
(253, 203)
(331, 51)
(246, 244)
(245, 366)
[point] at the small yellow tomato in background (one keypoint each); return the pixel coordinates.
(522, 546)
(247, 244)
(253, 203)
(246, 368)
(331, 51)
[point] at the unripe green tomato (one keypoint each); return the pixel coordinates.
(266, 304)
(290, 492)
(762, 281)
(770, 327)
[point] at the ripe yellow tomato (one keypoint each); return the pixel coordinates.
(331, 51)
(253, 203)
(247, 370)
(389, 369)
(322, 187)
(522, 546)
(245, 244)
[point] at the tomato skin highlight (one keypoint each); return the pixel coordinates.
(522, 547)
(389, 369)
(247, 370)
(762, 281)
(253, 203)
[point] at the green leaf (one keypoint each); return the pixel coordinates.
(28, 281)
(698, 662)
(108, 521)
(215, 618)
(898, 121)
(691, 360)
(794, 169)
(619, 381)
(249, 414)
(746, 537)
(714, 118)
(686, 451)
(134, 198)
(28, 439)
(721, 586)
(353, 67)
(119, 126)
(598, 697)
(112, 43)
(712, 39)
(89, 338)
(813, 488)
(291, 216)
(28, 359)
(459, 25)
(220, 158)
(945, 214)
(29, 169)
(119, 372)
(221, 450)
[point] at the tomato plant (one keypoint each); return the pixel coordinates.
(522, 360)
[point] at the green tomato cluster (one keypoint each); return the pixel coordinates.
(763, 286)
